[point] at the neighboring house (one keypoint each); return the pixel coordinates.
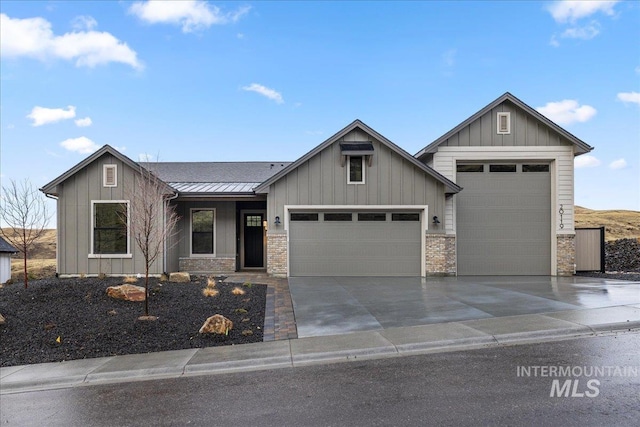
(6, 250)
(355, 205)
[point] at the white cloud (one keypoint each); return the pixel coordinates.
(571, 11)
(84, 22)
(586, 32)
(82, 145)
(586, 161)
(629, 97)
(618, 164)
(42, 116)
(567, 111)
(33, 38)
(82, 123)
(192, 15)
(265, 91)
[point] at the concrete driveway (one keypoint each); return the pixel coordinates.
(338, 305)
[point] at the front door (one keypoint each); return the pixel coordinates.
(253, 240)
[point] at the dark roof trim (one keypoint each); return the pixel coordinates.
(51, 186)
(582, 146)
(450, 185)
(5, 247)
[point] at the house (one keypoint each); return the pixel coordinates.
(492, 196)
(6, 250)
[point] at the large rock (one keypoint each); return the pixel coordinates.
(2, 319)
(126, 292)
(179, 277)
(217, 324)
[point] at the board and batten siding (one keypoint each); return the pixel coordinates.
(75, 224)
(322, 181)
(526, 131)
(225, 230)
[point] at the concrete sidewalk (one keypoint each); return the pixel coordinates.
(392, 342)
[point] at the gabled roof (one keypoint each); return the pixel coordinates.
(582, 147)
(450, 185)
(5, 247)
(50, 188)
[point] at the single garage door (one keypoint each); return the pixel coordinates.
(504, 219)
(354, 244)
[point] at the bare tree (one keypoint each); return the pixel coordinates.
(25, 213)
(151, 218)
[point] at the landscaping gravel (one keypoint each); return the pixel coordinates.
(87, 323)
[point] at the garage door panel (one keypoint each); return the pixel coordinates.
(504, 223)
(355, 248)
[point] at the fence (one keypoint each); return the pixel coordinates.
(590, 249)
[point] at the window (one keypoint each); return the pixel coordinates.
(110, 228)
(254, 221)
(470, 168)
(110, 176)
(535, 168)
(405, 217)
(338, 217)
(372, 216)
(303, 216)
(355, 170)
(502, 168)
(203, 231)
(504, 123)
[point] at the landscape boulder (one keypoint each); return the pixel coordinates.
(217, 324)
(179, 277)
(126, 292)
(2, 319)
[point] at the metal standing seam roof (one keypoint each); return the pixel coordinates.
(215, 187)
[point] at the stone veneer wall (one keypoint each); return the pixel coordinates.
(440, 255)
(208, 265)
(277, 254)
(566, 254)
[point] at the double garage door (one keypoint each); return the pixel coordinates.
(349, 243)
(504, 219)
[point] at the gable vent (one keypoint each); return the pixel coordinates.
(109, 177)
(504, 123)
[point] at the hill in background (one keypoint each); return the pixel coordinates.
(618, 224)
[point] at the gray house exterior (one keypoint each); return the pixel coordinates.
(486, 193)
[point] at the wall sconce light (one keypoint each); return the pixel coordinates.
(436, 221)
(277, 221)
(264, 224)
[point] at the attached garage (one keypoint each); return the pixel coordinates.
(504, 219)
(355, 243)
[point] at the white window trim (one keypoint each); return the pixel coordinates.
(92, 226)
(349, 170)
(115, 175)
(508, 116)
(215, 233)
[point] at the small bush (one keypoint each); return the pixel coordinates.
(210, 292)
(238, 291)
(130, 279)
(211, 282)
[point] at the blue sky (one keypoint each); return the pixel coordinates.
(229, 81)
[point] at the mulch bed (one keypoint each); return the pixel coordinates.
(91, 324)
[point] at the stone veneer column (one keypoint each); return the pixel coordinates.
(440, 255)
(566, 254)
(277, 254)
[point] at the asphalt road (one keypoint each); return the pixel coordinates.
(479, 387)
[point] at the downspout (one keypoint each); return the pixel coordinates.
(164, 221)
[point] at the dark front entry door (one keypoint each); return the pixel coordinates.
(253, 240)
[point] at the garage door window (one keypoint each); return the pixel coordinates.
(535, 168)
(405, 217)
(502, 168)
(304, 216)
(337, 217)
(470, 168)
(372, 216)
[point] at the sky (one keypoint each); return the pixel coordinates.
(250, 81)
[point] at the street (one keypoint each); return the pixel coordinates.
(586, 381)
